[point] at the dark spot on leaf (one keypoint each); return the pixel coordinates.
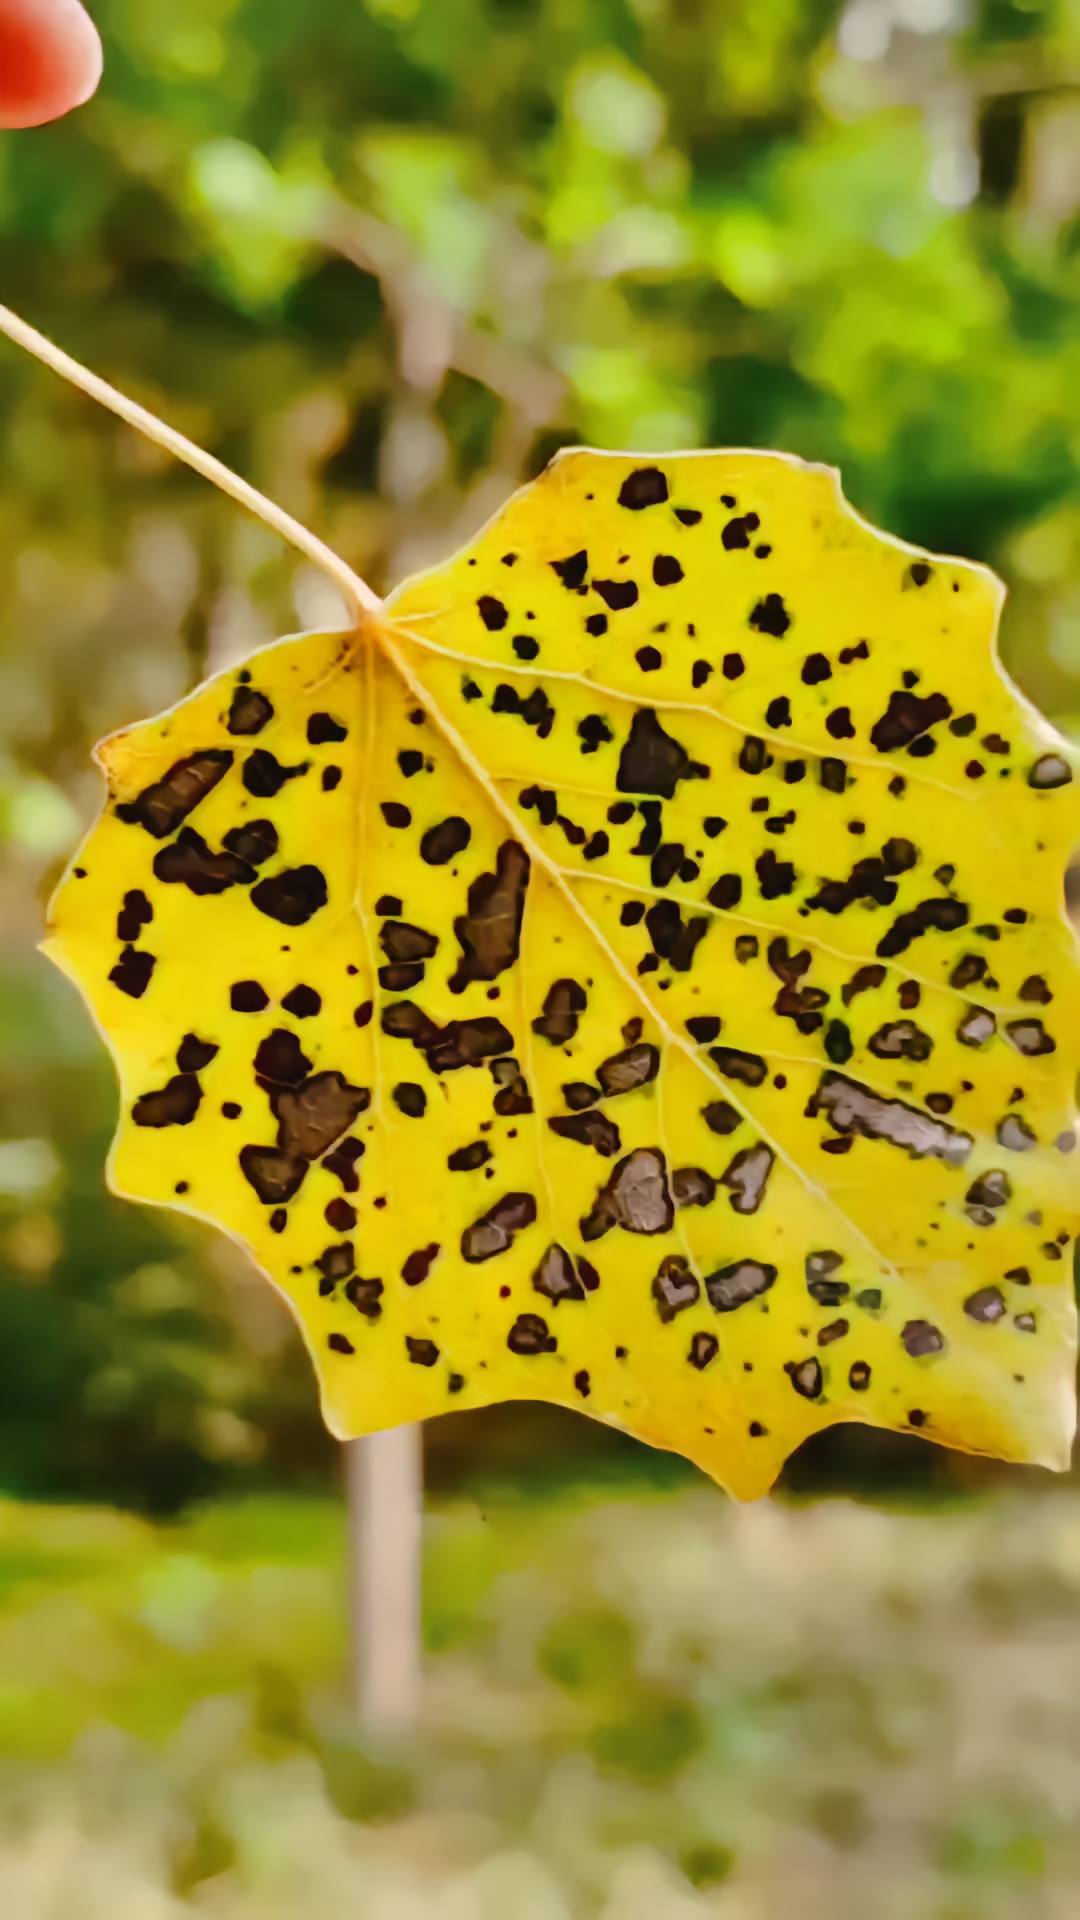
(652, 761)
(193, 1054)
(400, 940)
(563, 1003)
(921, 1338)
(852, 1108)
(302, 1002)
(135, 914)
(246, 996)
(636, 1198)
(529, 1335)
(645, 487)
(249, 711)
(1030, 1037)
(323, 730)
(734, 1064)
(746, 1177)
(692, 1187)
(469, 1159)
(589, 1129)
(492, 612)
(418, 1265)
(617, 595)
(161, 807)
(440, 843)
(986, 1304)
(733, 1286)
(292, 895)
(132, 972)
(254, 841)
(264, 775)
(494, 1231)
(280, 1059)
(771, 616)
(806, 1377)
(275, 1174)
(189, 862)
(675, 1288)
(489, 931)
(556, 1278)
(312, 1116)
(173, 1105)
(704, 1348)
(631, 1068)
(422, 1353)
(573, 569)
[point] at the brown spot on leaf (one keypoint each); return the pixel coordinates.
(442, 842)
(636, 1198)
(249, 711)
(652, 761)
(275, 1174)
(746, 1177)
(852, 1108)
(494, 1231)
(489, 932)
(556, 1278)
(312, 1116)
(530, 1335)
(173, 1105)
(590, 1129)
(563, 1002)
(675, 1287)
(733, 1286)
(161, 807)
(633, 1067)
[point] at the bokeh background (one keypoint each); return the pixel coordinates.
(384, 256)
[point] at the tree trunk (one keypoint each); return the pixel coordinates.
(384, 1484)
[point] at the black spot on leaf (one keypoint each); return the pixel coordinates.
(291, 896)
(645, 487)
(132, 972)
(264, 775)
(189, 862)
(652, 761)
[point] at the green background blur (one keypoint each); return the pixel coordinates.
(383, 256)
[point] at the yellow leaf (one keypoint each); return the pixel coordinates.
(630, 972)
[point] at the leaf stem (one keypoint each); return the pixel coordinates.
(361, 601)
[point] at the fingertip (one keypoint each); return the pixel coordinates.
(50, 60)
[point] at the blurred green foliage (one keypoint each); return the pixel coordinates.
(384, 256)
(634, 1706)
